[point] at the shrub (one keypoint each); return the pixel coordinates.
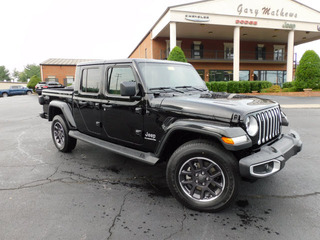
(222, 86)
(254, 86)
(272, 89)
(209, 85)
(215, 86)
(233, 87)
(33, 81)
(287, 85)
(177, 55)
(238, 87)
(265, 84)
(244, 87)
(308, 71)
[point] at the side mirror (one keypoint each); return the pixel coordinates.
(128, 89)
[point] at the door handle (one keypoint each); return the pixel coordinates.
(106, 106)
(97, 105)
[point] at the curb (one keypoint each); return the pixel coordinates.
(300, 106)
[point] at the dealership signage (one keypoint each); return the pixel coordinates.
(265, 11)
(289, 25)
(246, 22)
(197, 18)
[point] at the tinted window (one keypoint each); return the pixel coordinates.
(91, 79)
(118, 75)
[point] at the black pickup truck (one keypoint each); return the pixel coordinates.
(154, 111)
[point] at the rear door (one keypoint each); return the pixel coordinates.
(87, 102)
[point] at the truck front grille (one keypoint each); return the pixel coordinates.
(269, 122)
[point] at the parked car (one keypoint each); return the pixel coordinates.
(15, 90)
(45, 85)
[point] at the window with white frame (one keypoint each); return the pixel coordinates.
(279, 52)
(70, 79)
(228, 51)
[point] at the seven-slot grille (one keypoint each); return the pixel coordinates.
(269, 122)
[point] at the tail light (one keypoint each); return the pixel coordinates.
(45, 87)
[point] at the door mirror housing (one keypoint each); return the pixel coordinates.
(128, 89)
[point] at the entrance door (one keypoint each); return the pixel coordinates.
(122, 117)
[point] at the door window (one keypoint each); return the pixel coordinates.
(117, 75)
(90, 82)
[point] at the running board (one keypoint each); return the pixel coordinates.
(148, 158)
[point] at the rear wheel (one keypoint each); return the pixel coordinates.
(203, 176)
(60, 136)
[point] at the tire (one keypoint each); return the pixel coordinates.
(4, 94)
(29, 93)
(60, 136)
(203, 176)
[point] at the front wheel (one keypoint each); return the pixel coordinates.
(29, 93)
(4, 94)
(60, 136)
(203, 176)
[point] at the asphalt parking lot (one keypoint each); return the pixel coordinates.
(94, 194)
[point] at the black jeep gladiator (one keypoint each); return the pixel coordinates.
(154, 111)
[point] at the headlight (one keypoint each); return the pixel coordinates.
(251, 126)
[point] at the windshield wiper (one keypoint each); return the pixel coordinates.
(166, 88)
(198, 89)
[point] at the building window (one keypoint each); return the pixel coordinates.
(70, 79)
(244, 75)
(275, 77)
(279, 52)
(220, 75)
(90, 80)
(52, 79)
(117, 75)
(227, 75)
(197, 50)
(228, 51)
(201, 73)
(261, 52)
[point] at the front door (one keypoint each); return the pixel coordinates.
(87, 103)
(122, 117)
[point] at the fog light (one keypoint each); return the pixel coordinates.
(265, 169)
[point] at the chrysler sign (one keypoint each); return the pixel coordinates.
(197, 18)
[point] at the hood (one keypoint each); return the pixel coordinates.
(218, 106)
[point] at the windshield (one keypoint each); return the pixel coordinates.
(170, 76)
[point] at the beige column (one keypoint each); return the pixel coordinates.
(173, 35)
(236, 54)
(290, 56)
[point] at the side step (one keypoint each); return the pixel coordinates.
(148, 158)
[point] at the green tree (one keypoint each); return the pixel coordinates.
(4, 74)
(177, 55)
(308, 71)
(33, 81)
(22, 77)
(32, 70)
(29, 71)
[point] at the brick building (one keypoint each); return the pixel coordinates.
(60, 70)
(234, 39)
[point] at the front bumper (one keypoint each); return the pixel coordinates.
(271, 158)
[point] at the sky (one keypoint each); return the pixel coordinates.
(33, 31)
